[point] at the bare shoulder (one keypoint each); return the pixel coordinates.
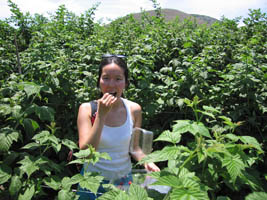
(85, 108)
(135, 107)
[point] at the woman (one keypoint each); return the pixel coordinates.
(113, 123)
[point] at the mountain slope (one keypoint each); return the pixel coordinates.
(172, 14)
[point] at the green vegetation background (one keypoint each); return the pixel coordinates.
(49, 67)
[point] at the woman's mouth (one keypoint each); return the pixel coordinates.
(113, 93)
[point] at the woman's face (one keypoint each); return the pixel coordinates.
(112, 80)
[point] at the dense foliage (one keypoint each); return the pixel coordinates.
(203, 91)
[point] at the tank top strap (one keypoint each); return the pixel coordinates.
(128, 110)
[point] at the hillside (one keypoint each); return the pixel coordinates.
(171, 14)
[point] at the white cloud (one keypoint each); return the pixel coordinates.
(111, 9)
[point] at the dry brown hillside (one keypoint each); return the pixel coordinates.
(171, 14)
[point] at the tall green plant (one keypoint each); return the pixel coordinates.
(212, 159)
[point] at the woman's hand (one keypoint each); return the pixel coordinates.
(151, 167)
(105, 104)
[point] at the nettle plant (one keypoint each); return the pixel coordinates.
(213, 158)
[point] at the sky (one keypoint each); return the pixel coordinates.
(111, 9)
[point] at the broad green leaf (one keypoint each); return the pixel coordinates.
(45, 113)
(90, 182)
(198, 127)
(257, 196)
(211, 109)
(234, 166)
(251, 141)
(30, 125)
(137, 192)
(66, 183)
(181, 126)
(188, 44)
(28, 194)
(70, 144)
(83, 153)
(252, 178)
(31, 88)
(16, 112)
(53, 182)
(31, 145)
(110, 195)
(66, 195)
(201, 154)
(232, 137)
(208, 114)
(167, 153)
(15, 185)
(168, 180)
(5, 173)
(7, 137)
(53, 139)
(28, 165)
(188, 194)
(5, 109)
(41, 137)
(168, 136)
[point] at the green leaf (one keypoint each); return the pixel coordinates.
(90, 182)
(66, 195)
(167, 153)
(211, 109)
(31, 88)
(5, 173)
(28, 165)
(182, 126)
(28, 194)
(31, 145)
(16, 112)
(198, 127)
(83, 153)
(66, 183)
(168, 136)
(41, 137)
(45, 113)
(257, 196)
(15, 185)
(5, 109)
(188, 194)
(7, 137)
(137, 192)
(168, 180)
(251, 141)
(53, 182)
(70, 144)
(232, 137)
(30, 125)
(234, 166)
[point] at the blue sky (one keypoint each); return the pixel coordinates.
(112, 9)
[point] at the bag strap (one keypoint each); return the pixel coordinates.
(93, 110)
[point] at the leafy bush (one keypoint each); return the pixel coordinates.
(211, 148)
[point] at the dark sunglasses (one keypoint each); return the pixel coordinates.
(113, 55)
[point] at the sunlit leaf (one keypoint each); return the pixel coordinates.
(5, 173)
(7, 137)
(28, 194)
(15, 185)
(168, 136)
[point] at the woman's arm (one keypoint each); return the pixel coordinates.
(137, 113)
(88, 133)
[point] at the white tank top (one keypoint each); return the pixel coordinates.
(115, 141)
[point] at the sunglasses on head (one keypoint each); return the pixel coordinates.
(113, 55)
